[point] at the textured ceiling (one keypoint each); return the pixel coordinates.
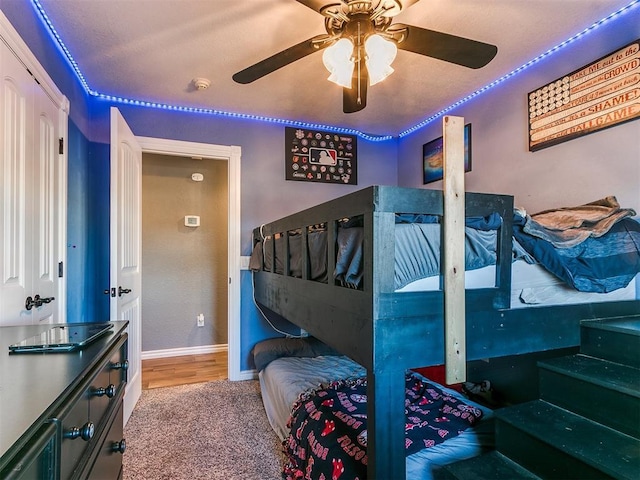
(152, 50)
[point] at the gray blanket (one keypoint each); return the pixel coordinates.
(417, 253)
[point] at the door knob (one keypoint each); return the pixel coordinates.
(37, 301)
(30, 302)
(123, 291)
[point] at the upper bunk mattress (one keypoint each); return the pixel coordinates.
(417, 262)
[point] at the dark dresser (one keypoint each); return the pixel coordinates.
(61, 413)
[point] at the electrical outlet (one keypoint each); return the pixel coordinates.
(200, 319)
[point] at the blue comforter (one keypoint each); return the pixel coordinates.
(597, 264)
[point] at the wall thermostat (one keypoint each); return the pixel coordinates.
(197, 177)
(192, 220)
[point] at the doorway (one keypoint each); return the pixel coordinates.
(184, 256)
(231, 155)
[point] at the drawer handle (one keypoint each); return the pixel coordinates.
(121, 365)
(110, 391)
(86, 432)
(119, 447)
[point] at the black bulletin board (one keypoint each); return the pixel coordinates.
(320, 156)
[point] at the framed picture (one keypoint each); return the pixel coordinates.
(432, 157)
(320, 156)
(594, 97)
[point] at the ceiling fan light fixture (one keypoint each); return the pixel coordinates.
(380, 54)
(338, 60)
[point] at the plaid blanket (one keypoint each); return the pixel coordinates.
(328, 438)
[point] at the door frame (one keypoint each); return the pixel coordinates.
(232, 154)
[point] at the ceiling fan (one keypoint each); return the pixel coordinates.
(349, 55)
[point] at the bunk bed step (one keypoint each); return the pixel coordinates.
(617, 340)
(554, 443)
(491, 466)
(603, 391)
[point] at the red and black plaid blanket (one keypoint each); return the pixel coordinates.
(328, 438)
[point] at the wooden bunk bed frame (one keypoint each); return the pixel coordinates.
(389, 332)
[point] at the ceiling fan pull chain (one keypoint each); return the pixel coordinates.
(359, 64)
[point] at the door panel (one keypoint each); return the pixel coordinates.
(44, 214)
(14, 202)
(126, 246)
(33, 117)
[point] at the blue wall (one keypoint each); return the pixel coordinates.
(87, 229)
(97, 190)
(79, 259)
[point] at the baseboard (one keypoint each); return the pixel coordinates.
(177, 352)
(247, 375)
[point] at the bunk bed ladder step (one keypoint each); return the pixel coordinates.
(493, 465)
(586, 424)
(600, 390)
(617, 340)
(555, 443)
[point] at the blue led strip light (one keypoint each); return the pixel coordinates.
(243, 116)
(552, 50)
(350, 131)
(63, 47)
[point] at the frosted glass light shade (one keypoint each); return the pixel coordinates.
(337, 59)
(380, 55)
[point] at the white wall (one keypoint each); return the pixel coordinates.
(571, 173)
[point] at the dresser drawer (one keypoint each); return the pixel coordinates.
(100, 394)
(37, 461)
(85, 423)
(118, 365)
(77, 432)
(106, 385)
(108, 463)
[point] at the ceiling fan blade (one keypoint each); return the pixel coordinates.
(281, 59)
(443, 46)
(354, 99)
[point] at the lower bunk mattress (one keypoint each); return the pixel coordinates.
(284, 379)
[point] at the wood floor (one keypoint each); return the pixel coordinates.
(172, 371)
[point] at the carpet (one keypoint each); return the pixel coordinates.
(214, 430)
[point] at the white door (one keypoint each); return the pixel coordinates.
(15, 101)
(126, 246)
(44, 219)
(29, 225)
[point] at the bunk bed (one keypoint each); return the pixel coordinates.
(389, 331)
